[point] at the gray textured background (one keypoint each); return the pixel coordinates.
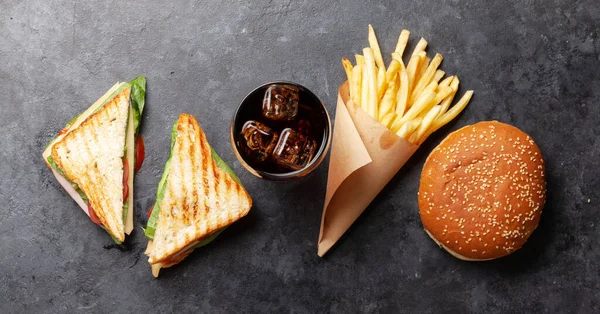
(534, 64)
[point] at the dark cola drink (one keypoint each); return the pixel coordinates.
(279, 128)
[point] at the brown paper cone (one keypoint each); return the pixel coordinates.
(365, 156)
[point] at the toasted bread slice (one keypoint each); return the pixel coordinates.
(48, 151)
(91, 157)
(200, 198)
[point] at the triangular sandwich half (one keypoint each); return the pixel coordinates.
(197, 197)
(94, 157)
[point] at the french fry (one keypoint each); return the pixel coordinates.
(439, 96)
(441, 121)
(443, 92)
(413, 137)
(455, 83)
(426, 123)
(454, 111)
(388, 119)
(432, 87)
(371, 81)
(424, 102)
(364, 93)
(402, 41)
(448, 100)
(446, 82)
(392, 70)
(427, 76)
(381, 83)
(438, 75)
(395, 126)
(421, 45)
(360, 60)
(356, 84)
(348, 68)
(412, 100)
(423, 58)
(408, 128)
(402, 94)
(444, 107)
(375, 46)
(422, 68)
(398, 57)
(387, 102)
(411, 69)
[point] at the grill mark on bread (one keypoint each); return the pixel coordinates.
(193, 157)
(185, 209)
(205, 183)
(207, 163)
(228, 185)
(216, 184)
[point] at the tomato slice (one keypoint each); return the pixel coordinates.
(93, 216)
(150, 211)
(140, 152)
(125, 179)
(63, 131)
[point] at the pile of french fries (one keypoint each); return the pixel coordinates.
(413, 101)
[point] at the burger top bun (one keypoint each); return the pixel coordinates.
(482, 191)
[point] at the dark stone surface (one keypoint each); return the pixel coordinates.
(534, 64)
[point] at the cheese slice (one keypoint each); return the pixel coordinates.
(130, 144)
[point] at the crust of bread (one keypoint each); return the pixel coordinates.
(482, 191)
(91, 156)
(200, 198)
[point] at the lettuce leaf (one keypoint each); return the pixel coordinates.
(138, 100)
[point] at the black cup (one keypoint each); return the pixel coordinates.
(251, 109)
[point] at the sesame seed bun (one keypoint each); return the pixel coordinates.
(482, 191)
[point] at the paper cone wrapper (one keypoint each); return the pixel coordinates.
(365, 155)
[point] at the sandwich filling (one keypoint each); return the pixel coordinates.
(133, 153)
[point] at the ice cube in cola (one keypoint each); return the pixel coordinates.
(280, 102)
(258, 140)
(294, 150)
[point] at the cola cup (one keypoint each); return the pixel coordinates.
(281, 131)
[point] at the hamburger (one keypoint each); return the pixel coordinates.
(482, 191)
